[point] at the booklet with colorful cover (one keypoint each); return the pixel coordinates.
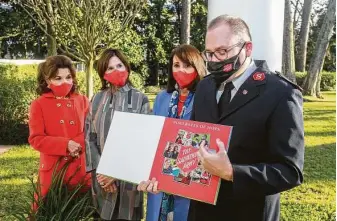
(141, 147)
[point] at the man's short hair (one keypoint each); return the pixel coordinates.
(239, 27)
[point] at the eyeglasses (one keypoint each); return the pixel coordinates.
(220, 54)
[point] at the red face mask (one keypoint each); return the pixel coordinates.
(117, 78)
(184, 79)
(61, 90)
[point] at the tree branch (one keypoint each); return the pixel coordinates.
(9, 36)
(70, 54)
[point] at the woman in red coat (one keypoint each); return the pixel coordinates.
(56, 123)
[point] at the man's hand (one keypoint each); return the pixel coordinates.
(107, 183)
(150, 186)
(217, 164)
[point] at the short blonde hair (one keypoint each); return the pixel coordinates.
(239, 27)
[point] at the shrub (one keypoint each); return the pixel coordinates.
(152, 89)
(28, 70)
(300, 76)
(137, 81)
(17, 90)
(81, 80)
(62, 202)
(328, 80)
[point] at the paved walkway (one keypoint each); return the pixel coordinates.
(4, 148)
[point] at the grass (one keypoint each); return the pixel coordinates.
(16, 167)
(314, 200)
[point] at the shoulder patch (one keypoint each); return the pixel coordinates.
(287, 80)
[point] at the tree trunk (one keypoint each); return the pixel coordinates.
(295, 13)
(51, 41)
(89, 69)
(318, 84)
(185, 22)
(322, 43)
(301, 57)
(288, 66)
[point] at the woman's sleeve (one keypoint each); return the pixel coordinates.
(39, 140)
(145, 109)
(92, 152)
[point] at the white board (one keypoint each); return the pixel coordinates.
(141, 133)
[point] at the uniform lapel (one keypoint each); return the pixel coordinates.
(248, 91)
(210, 103)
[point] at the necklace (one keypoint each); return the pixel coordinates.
(182, 100)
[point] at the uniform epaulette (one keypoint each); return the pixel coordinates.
(287, 80)
(207, 76)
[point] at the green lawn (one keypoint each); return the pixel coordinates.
(314, 200)
(16, 167)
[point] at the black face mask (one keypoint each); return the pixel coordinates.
(220, 71)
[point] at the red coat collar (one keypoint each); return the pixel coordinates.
(51, 95)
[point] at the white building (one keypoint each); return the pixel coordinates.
(265, 20)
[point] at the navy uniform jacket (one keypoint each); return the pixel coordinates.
(266, 147)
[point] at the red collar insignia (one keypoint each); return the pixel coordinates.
(259, 76)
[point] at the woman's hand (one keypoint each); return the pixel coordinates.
(150, 186)
(74, 148)
(111, 189)
(107, 183)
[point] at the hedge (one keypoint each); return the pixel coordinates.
(328, 80)
(17, 91)
(16, 94)
(152, 89)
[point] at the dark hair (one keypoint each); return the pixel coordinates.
(189, 55)
(239, 27)
(48, 70)
(103, 63)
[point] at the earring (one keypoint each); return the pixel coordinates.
(176, 86)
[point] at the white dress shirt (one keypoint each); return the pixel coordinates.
(237, 82)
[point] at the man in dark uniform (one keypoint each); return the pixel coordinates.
(266, 150)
